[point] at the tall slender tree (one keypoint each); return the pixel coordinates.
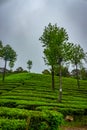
(54, 42)
(29, 64)
(1, 47)
(77, 56)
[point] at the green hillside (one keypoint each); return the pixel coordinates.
(24, 93)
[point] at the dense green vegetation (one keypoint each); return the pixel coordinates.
(58, 51)
(27, 99)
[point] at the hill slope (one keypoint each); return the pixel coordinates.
(35, 89)
(33, 92)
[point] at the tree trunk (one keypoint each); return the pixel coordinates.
(60, 84)
(4, 71)
(77, 76)
(53, 78)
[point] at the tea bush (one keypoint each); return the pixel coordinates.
(19, 119)
(14, 124)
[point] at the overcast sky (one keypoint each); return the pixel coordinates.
(22, 23)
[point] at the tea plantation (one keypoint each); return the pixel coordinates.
(27, 102)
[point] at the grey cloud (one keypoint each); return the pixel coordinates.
(77, 15)
(3, 1)
(22, 23)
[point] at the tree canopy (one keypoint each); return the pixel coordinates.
(8, 54)
(29, 64)
(77, 55)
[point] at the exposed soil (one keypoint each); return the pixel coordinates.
(74, 128)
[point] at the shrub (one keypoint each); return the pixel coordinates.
(72, 111)
(7, 124)
(48, 120)
(31, 120)
(13, 113)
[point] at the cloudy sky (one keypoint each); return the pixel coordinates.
(22, 23)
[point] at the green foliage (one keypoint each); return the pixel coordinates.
(72, 111)
(11, 65)
(76, 57)
(19, 69)
(15, 113)
(65, 71)
(29, 63)
(35, 102)
(83, 74)
(8, 53)
(20, 119)
(54, 40)
(55, 120)
(48, 120)
(1, 47)
(7, 124)
(46, 72)
(8, 103)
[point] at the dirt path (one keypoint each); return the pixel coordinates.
(74, 128)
